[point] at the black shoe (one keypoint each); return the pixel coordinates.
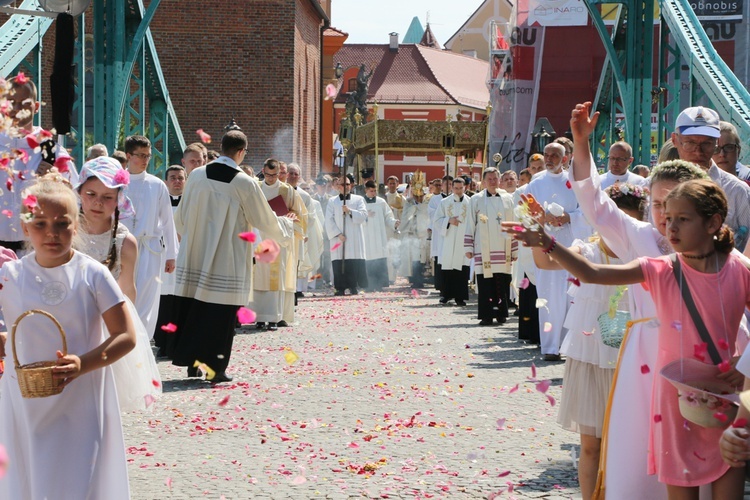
(552, 357)
(299, 295)
(339, 293)
(221, 377)
(516, 313)
(260, 325)
(460, 303)
(485, 322)
(194, 372)
(272, 327)
(354, 291)
(282, 324)
(502, 321)
(443, 300)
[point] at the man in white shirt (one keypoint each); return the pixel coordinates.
(565, 222)
(619, 160)
(695, 137)
(153, 227)
(436, 236)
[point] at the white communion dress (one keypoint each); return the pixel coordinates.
(136, 374)
(69, 445)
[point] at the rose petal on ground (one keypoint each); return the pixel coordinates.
(533, 370)
(414, 293)
(299, 480)
(290, 357)
(224, 400)
(149, 400)
(353, 445)
(500, 424)
(513, 389)
(168, 482)
(504, 473)
(551, 400)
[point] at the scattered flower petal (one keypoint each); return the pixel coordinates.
(335, 246)
(524, 284)
(246, 316)
(204, 137)
(290, 357)
(248, 236)
(575, 281)
(543, 386)
(645, 369)
(169, 328)
(725, 366)
(721, 417)
(267, 251)
(224, 400)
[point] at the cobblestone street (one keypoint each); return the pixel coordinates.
(392, 396)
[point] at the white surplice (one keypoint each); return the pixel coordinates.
(380, 220)
(436, 243)
(414, 226)
(493, 249)
(552, 286)
(351, 226)
(452, 256)
(276, 282)
(153, 227)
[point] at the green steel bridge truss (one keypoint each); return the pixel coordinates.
(629, 92)
(120, 88)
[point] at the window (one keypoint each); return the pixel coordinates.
(352, 85)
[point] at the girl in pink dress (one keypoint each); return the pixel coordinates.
(683, 456)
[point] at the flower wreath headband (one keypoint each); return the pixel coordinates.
(620, 189)
(110, 172)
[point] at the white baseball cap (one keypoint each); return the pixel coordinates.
(698, 121)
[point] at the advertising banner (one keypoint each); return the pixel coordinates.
(557, 13)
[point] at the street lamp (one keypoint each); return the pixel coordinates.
(338, 70)
(543, 134)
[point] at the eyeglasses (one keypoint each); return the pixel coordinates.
(617, 159)
(143, 156)
(727, 148)
(692, 147)
(265, 174)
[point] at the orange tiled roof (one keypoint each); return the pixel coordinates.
(418, 75)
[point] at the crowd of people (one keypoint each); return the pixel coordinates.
(627, 273)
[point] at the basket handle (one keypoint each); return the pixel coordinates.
(31, 312)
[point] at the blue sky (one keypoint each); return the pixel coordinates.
(367, 21)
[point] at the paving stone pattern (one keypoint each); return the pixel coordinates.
(392, 396)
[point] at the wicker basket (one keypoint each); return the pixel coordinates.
(35, 379)
(612, 329)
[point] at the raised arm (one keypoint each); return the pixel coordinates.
(582, 127)
(576, 264)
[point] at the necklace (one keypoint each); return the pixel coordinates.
(699, 257)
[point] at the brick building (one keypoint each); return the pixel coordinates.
(258, 61)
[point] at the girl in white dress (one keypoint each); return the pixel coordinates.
(102, 237)
(590, 364)
(69, 445)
